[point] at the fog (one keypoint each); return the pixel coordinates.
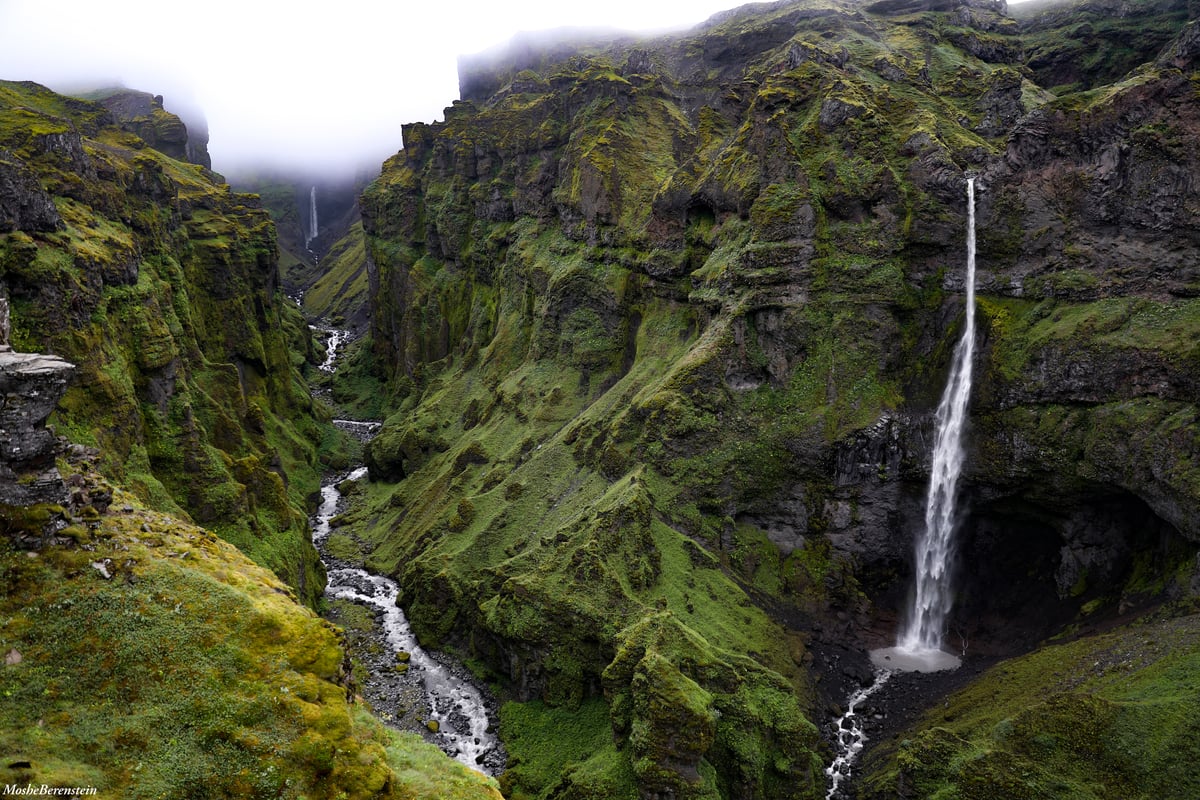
(293, 85)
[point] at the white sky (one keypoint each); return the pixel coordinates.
(295, 83)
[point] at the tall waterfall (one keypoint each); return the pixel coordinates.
(932, 599)
(312, 215)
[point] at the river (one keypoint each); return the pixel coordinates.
(407, 686)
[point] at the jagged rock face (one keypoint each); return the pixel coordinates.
(162, 286)
(716, 280)
(30, 387)
(24, 205)
(143, 115)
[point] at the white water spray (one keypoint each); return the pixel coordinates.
(312, 216)
(932, 599)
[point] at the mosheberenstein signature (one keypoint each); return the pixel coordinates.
(46, 790)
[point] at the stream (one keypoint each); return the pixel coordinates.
(407, 686)
(851, 737)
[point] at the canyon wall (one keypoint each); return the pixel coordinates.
(665, 321)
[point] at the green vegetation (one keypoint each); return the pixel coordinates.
(655, 330)
(637, 302)
(341, 291)
(151, 659)
(161, 285)
(1108, 716)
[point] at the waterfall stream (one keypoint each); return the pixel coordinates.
(851, 739)
(919, 645)
(932, 598)
(312, 216)
(453, 702)
(334, 339)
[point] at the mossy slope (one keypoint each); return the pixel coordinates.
(148, 658)
(1107, 716)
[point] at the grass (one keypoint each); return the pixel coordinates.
(191, 670)
(554, 747)
(341, 291)
(1106, 716)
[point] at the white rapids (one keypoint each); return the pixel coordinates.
(335, 339)
(455, 703)
(851, 738)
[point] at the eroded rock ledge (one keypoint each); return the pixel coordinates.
(31, 384)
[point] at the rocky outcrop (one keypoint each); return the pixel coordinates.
(143, 115)
(30, 387)
(24, 204)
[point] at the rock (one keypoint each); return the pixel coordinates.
(13, 658)
(1181, 54)
(143, 115)
(835, 112)
(24, 204)
(30, 387)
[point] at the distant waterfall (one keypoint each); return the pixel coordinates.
(312, 215)
(5, 320)
(935, 548)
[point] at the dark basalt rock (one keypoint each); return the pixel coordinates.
(143, 115)
(24, 204)
(30, 387)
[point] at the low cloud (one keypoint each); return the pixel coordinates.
(320, 87)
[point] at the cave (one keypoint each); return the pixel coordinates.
(1025, 572)
(700, 213)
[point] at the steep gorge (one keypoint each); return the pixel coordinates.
(661, 324)
(665, 321)
(144, 655)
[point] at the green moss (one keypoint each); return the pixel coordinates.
(1104, 716)
(341, 289)
(160, 286)
(221, 679)
(555, 750)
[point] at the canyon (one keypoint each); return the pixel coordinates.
(657, 328)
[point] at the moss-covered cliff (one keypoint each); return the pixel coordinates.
(664, 321)
(162, 286)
